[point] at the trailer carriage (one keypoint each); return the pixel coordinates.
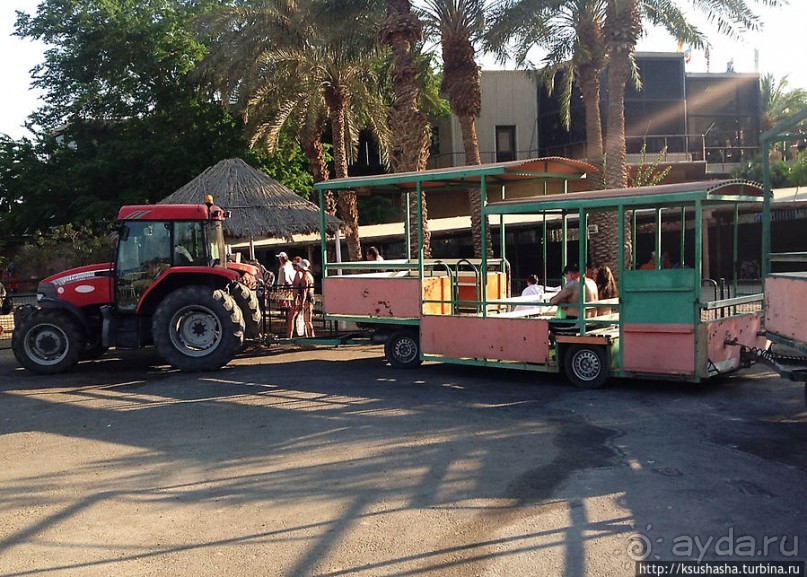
(667, 323)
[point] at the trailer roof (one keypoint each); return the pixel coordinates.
(683, 192)
(494, 173)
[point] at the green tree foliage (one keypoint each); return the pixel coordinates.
(783, 173)
(779, 101)
(89, 169)
(63, 247)
(111, 59)
(124, 120)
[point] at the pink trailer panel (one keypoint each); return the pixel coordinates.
(520, 340)
(744, 329)
(785, 313)
(371, 296)
(658, 349)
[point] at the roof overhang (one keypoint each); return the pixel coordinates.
(711, 191)
(448, 178)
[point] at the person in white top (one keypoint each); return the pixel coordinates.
(373, 254)
(533, 289)
(284, 294)
(285, 272)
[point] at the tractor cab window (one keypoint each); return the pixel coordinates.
(144, 253)
(189, 244)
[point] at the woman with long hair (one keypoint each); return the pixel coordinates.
(606, 287)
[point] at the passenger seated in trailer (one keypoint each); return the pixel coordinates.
(570, 293)
(373, 254)
(533, 289)
(651, 262)
(606, 287)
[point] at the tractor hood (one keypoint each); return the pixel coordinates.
(80, 286)
(243, 268)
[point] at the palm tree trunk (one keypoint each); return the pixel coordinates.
(401, 30)
(470, 142)
(590, 90)
(314, 151)
(623, 27)
(602, 246)
(347, 206)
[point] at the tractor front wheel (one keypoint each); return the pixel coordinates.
(197, 329)
(47, 342)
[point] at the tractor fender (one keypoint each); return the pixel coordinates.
(59, 304)
(174, 278)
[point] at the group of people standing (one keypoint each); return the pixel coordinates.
(295, 292)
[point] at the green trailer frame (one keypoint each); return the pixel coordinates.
(661, 314)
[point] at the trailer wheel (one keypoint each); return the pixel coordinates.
(247, 301)
(196, 329)
(586, 366)
(402, 349)
(47, 342)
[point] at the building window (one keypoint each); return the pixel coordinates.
(505, 143)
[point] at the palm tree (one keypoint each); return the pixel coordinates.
(623, 28)
(459, 25)
(402, 31)
(778, 101)
(294, 105)
(294, 64)
(571, 33)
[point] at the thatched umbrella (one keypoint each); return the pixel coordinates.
(260, 205)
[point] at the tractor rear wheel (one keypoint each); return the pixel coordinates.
(47, 341)
(196, 329)
(247, 301)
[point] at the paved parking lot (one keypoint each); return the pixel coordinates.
(328, 462)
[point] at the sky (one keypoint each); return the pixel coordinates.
(777, 50)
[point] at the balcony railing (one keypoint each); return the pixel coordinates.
(676, 147)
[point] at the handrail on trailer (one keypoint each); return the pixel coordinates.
(797, 257)
(408, 264)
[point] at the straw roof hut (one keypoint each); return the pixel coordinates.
(261, 207)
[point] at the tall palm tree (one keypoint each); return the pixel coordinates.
(623, 27)
(571, 33)
(296, 63)
(459, 25)
(402, 31)
(290, 103)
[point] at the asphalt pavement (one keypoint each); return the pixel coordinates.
(328, 462)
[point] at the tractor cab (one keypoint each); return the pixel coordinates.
(156, 240)
(148, 249)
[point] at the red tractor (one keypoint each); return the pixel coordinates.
(170, 286)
